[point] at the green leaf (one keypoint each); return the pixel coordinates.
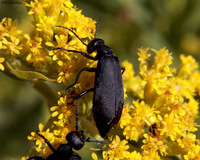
(28, 75)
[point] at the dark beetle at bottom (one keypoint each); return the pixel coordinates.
(75, 139)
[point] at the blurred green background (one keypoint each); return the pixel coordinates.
(126, 25)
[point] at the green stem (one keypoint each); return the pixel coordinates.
(50, 95)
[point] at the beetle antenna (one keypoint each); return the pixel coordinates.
(97, 26)
(73, 33)
(76, 112)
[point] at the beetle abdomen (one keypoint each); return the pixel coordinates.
(108, 95)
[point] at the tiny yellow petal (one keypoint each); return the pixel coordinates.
(41, 126)
(49, 44)
(2, 67)
(54, 114)
(94, 156)
(60, 63)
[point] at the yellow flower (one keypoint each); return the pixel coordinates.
(134, 119)
(37, 55)
(39, 140)
(94, 156)
(144, 111)
(194, 79)
(135, 156)
(133, 127)
(63, 110)
(118, 150)
(162, 59)
(154, 144)
(65, 72)
(143, 57)
(171, 126)
(188, 141)
(152, 155)
(13, 45)
(193, 154)
(61, 42)
(187, 67)
(63, 129)
(9, 27)
(46, 25)
(10, 37)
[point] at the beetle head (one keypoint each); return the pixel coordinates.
(94, 44)
(76, 139)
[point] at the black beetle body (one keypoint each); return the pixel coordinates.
(108, 97)
(64, 151)
(76, 140)
(108, 90)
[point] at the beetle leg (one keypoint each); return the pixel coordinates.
(123, 69)
(77, 114)
(84, 69)
(89, 140)
(81, 94)
(75, 156)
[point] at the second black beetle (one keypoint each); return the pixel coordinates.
(75, 140)
(108, 89)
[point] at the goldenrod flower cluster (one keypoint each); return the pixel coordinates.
(167, 109)
(161, 121)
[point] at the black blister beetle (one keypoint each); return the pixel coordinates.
(76, 140)
(108, 89)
